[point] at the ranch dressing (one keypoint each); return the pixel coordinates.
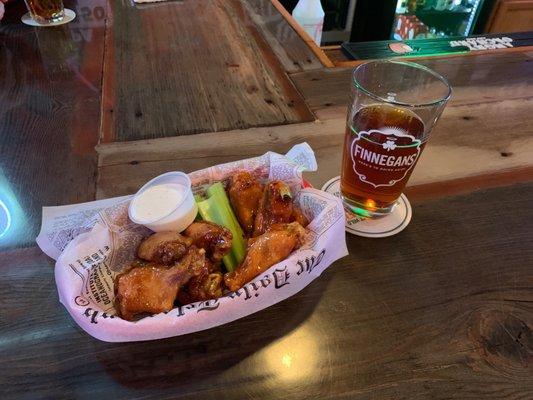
(157, 202)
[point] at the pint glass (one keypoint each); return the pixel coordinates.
(393, 108)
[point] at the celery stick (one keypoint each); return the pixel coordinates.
(216, 208)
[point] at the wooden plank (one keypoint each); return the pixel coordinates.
(474, 80)
(468, 184)
(49, 115)
(469, 140)
(285, 42)
(443, 310)
(335, 54)
(207, 71)
(123, 166)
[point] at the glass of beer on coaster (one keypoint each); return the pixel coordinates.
(393, 109)
(46, 11)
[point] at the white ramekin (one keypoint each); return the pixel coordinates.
(182, 215)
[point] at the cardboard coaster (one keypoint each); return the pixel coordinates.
(390, 225)
(69, 16)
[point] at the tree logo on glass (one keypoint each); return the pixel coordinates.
(383, 157)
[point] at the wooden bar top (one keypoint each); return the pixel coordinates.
(95, 108)
(208, 70)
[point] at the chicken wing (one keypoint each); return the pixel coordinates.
(215, 239)
(205, 286)
(200, 288)
(298, 216)
(275, 207)
(245, 192)
(163, 247)
(264, 251)
(153, 288)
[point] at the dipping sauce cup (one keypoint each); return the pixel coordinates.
(166, 203)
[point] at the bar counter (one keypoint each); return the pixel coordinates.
(94, 109)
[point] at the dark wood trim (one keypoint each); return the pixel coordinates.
(469, 184)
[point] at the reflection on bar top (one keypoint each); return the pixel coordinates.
(13, 221)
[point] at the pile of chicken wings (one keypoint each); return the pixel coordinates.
(180, 268)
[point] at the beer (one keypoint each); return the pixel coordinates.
(382, 145)
(46, 10)
(393, 108)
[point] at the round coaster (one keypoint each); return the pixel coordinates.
(390, 225)
(69, 16)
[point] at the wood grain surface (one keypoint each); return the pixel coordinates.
(208, 70)
(443, 310)
(304, 36)
(49, 115)
(468, 141)
(474, 79)
(293, 53)
(335, 54)
(467, 184)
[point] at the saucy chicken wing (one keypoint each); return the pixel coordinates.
(264, 251)
(245, 192)
(153, 288)
(206, 286)
(298, 216)
(215, 239)
(275, 207)
(201, 288)
(163, 247)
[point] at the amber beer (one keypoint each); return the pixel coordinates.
(46, 10)
(382, 146)
(393, 109)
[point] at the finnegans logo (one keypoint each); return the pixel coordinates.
(383, 157)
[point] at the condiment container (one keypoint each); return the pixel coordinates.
(166, 203)
(310, 15)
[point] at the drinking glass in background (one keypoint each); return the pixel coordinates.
(46, 11)
(393, 109)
